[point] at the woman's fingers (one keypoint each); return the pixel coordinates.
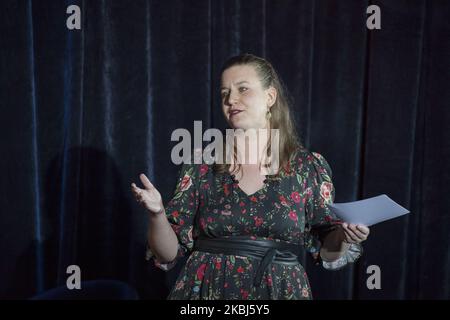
(134, 187)
(358, 233)
(147, 184)
(148, 196)
(355, 233)
(351, 237)
(136, 191)
(363, 229)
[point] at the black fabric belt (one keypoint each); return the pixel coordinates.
(267, 251)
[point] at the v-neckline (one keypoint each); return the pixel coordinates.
(259, 191)
(254, 193)
(249, 195)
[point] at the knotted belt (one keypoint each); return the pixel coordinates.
(267, 251)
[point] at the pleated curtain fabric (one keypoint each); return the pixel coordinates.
(83, 112)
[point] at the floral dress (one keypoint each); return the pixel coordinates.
(290, 209)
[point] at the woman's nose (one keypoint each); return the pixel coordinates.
(232, 98)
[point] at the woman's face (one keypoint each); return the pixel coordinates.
(244, 102)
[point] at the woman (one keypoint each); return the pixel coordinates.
(242, 229)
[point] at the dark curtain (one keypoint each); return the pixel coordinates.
(83, 112)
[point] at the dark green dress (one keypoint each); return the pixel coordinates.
(288, 209)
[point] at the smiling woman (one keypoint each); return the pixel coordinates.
(243, 229)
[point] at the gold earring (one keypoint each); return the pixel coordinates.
(268, 115)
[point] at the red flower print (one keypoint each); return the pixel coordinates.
(325, 191)
(209, 219)
(226, 190)
(240, 269)
(175, 214)
(295, 196)
(244, 294)
(269, 281)
(201, 271)
(309, 192)
(185, 183)
(202, 223)
(258, 221)
(241, 204)
(253, 199)
(181, 222)
(283, 201)
(293, 215)
(218, 265)
(203, 169)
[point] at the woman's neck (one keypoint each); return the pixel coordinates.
(251, 146)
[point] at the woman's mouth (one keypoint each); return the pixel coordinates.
(235, 112)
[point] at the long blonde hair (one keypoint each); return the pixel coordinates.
(280, 119)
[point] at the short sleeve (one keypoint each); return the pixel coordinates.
(320, 220)
(180, 212)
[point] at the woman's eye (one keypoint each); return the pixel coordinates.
(242, 89)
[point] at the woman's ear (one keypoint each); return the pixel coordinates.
(271, 96)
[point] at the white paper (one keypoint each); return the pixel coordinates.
(368, 211)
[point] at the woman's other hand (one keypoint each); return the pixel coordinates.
(355, 233)
(149, 197)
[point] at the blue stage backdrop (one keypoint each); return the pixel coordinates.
(83, 112)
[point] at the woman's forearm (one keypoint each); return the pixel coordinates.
(162, 240)
(334, 246)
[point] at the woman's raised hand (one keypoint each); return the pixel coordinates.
(149, 197)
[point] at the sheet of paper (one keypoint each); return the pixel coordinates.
(368, 211)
